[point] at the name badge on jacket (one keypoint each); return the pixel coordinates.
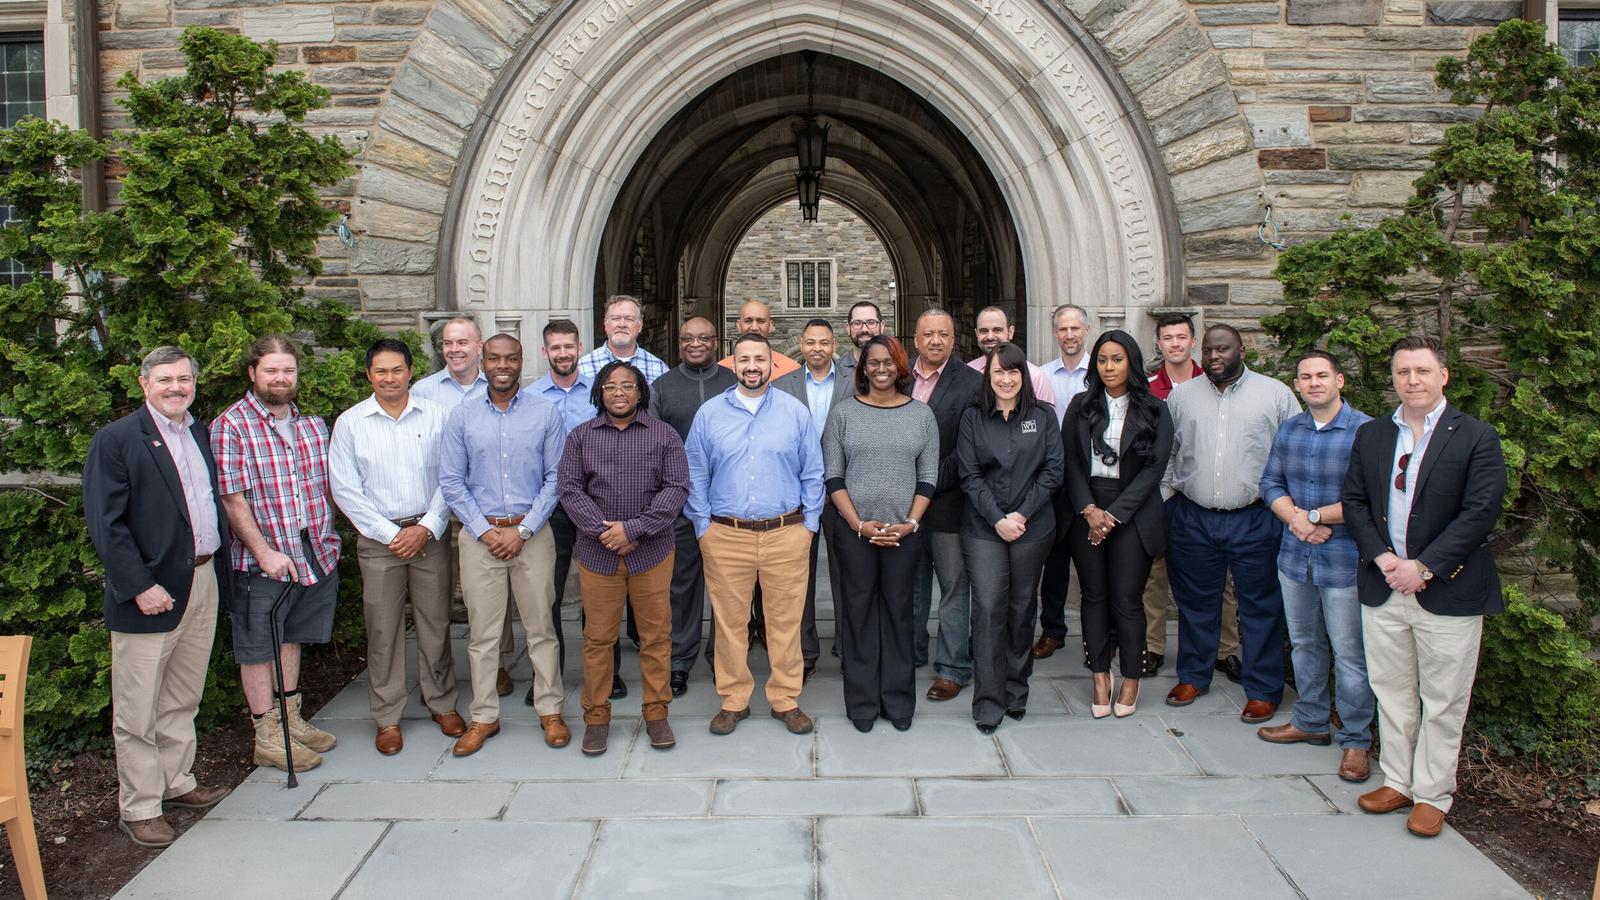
(1029, 426)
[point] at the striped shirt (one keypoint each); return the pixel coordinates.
(388, 468)
(195, 478)
(282, 470)
(636, 475)
(1307, 465)
(646, 362)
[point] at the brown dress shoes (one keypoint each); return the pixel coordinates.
(450, 723)
(1185, 694)
(201, 797)
(388, 740)
(725, 721)
(556, 732)
(154, 833)
(1354, 765)
(1425, 820)
(1046, 647)
(1288, 734)
(796, 721)
(473, 738)
(943, 689)
(1383, 800)
(1258, 711)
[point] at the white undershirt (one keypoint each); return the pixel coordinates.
(1117, 407)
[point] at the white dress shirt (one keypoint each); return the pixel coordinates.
(385, 468)
(1118, 409)
(1400, 498)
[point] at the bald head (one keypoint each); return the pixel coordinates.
(697, 342)
(755, 316)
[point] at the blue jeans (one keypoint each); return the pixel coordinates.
(1317, 617)
(1203, 547)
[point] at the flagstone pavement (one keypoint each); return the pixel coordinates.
(1164, 804)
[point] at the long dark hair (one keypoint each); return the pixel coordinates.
(1007, 356)
(1144, 410)
(897, 355)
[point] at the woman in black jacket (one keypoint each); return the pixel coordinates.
(1116, 438)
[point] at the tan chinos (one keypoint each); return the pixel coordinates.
(486, 585)
(156, 682)
(387, 581)
(734, 560)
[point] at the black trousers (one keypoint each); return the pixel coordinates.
(875, 633)
(1112, 578)
(688, 598)
(1057, 578)
(1005, 581)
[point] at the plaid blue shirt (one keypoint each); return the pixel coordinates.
(648, 364)
(1307, 464)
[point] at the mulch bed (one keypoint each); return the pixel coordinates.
(1552, 852)
(86, 856)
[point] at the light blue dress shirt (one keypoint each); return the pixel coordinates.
(501, 463)
(440, 388)
(1400, 498)
(753, 465)
(1068, 383)
(575, 405)
(819, 395)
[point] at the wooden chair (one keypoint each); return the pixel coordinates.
(16, 813)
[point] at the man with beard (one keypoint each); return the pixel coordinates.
(498, 473)
(384, 463)
(272, 472)
(624, 480)
(1067, 374)
(948, 390)
(818, 384)
(994, 329)
(1218, 525)
(866, 322)
(755, 496)
(674, 399)
(150, 503)
(624, 320)
(755, 317)
(568, 390)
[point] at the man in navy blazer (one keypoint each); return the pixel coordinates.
(156, 520)
(1421, 498)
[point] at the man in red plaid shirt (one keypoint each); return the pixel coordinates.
(272, 473)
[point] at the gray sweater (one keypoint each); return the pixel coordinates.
(883, 458)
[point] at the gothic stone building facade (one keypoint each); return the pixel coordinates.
(518, 160)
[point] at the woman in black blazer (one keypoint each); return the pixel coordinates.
(1116, 438)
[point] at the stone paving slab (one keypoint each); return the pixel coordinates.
(1209, 856)
(879, 858)
(1136, 745)
(518, 753)
(1287, 795)
(610, 799)
(264, 801)
(474, 859)
(816, 797)
(409, 800)
(1393, 862)
(1227, 746)
(705, 859)
(760, 748)
(356, 759)
(249, 860)
(1019, 797)
(933, 746)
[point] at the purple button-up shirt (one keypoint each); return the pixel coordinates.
(636, 475)
(194, 477)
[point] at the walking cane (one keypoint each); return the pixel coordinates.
(283, 695)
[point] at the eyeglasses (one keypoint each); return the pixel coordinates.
(628, 388)
(864, 323)
(1400, 478)
(697, 339)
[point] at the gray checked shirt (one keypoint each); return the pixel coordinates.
(1223, 438)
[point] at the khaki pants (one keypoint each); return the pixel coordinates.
(735, 559)
(604, 599)
(156, 682)
(386, 582)
(1421, 667)
(485, 583)
(1158, 601)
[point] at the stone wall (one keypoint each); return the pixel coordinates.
(861, 268)
(1324, 109)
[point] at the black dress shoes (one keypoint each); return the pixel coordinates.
(618, 688)
(863, 725)
(680, 683)
(1152, 664)
(1016, 713)
(901, 724)
(1231, 666)
(988, 727)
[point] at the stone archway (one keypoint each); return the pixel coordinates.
(1033, 94)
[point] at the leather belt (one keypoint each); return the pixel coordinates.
(202, 559)
(504, 521)
(1251, 505)
(793, 517)
(408, 521)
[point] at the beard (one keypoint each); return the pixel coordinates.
(280, 396)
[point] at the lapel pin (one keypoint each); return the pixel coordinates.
(155, 443)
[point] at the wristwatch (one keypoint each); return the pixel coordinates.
(915, 525)
(1427, 573)
(524, 532)
(1314, 515)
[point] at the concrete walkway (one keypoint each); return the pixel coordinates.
(1164, 804)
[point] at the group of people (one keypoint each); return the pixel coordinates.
(719, 478)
